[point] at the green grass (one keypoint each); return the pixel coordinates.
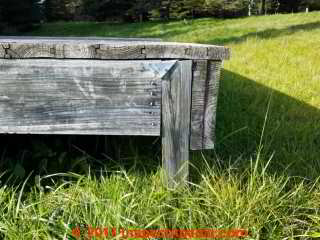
(263, 175)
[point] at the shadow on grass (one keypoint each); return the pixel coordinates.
(154, 29)
(164, 30)
(291, 134)
(268, 33)
(50, 154)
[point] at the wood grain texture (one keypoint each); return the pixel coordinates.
(207, 60)
(176, 102)
(30, 50)
(42, 96)
(2, 51)
(205, 85)
(177, 51)
(212, 86)
(221, 54)
(120, 52)
(100, 48)
(199, 81)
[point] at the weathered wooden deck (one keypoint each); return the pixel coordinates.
(113, 87)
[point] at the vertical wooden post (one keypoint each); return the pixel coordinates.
(205, 85)
(176, 108)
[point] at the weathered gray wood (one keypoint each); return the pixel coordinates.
(100, 48)
(2, 52)
(199, 81)
(221, 54)
(214, 70)
(176, 51)
(46, 87)
(42, 96)
(176, 107)
(206, 75)
(120, 52)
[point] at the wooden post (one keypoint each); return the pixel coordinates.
(205, 83)
(176, 114)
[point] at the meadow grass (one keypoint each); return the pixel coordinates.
(262, 176)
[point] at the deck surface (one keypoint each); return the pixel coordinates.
(107, 48)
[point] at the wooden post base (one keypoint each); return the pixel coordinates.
(176, 108)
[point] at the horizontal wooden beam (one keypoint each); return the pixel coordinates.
(42, 96)
(21, 47)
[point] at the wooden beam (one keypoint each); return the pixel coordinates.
(176, 102)
(205, 85)
(211, 101)
(100, 48)
(2, 52)
(120, 52)
(200, 68)
(43, 96)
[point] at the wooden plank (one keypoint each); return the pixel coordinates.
(76, 51)
(100, 48)
(2, 52)
(206, 75)
(214, 70)
(79, 79)
(42, 96)
(198, 103)
(169, 51)
(78, 117)
(218, 54)
(43, 50)
(30, 51)
(176, 102)
(120, 52)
